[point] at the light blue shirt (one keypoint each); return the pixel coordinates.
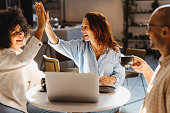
(84, 57)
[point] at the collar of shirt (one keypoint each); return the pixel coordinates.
(164, 61)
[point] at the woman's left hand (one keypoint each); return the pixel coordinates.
(106, 80)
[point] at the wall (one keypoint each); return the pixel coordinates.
(112, 9)
(141, 18)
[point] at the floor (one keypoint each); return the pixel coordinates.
(136, 89)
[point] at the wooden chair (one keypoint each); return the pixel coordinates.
(131, 73)
(52, 65)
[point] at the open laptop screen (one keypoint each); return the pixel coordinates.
(72, 87)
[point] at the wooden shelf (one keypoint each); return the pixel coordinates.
(136, 25)
(140, 12)
(138, 39)
(146, 0)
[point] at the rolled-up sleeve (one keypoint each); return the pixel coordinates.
(68, 48)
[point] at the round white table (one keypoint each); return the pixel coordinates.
(106, 101)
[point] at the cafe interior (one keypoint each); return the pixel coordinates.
(127, 19)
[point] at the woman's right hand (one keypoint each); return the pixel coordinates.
(49, 31)
(43, 17)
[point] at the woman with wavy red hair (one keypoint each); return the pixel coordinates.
(101, 30)
(97, 52)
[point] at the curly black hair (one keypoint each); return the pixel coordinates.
(9, 18)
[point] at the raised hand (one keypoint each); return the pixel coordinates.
(43, 17)
(42, 20)
(46, 13)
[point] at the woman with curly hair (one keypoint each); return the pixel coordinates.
(18, 70)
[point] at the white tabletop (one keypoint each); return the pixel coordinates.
(106, 101)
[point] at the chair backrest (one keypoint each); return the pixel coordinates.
(51, 64)
(136, 52)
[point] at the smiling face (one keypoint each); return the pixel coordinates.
(87, 33)
(154, 32)
(17, 38)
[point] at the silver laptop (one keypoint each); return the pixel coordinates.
(72, 87)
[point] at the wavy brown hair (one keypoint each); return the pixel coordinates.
(102, 31)
(9, 18)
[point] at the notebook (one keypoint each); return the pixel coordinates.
(72, 87)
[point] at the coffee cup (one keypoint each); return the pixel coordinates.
(43, 85)
(126, 61)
